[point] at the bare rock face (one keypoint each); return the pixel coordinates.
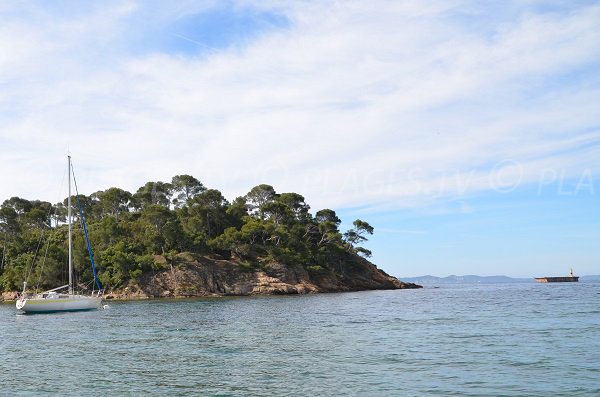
(359, 275)
(189, 276)
(9, 296)
(186, 276)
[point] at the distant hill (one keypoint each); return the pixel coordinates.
(593, 278)
(470, 279)
(473, 279)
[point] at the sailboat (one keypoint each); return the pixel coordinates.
(68, 300)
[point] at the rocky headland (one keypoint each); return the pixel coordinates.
(188, 275)
(201, 276)
(181, 239)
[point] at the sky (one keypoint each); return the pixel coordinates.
(467, 133)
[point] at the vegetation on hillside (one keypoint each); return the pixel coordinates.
(128, 230)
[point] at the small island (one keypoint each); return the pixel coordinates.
(180, 239)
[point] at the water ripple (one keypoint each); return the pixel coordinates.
(469, 340)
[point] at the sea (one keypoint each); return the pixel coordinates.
(522, 339)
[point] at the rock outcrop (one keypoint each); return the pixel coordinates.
(188, 276)
(8, 296)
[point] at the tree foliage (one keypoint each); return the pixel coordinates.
(128, 230)
(185, 188)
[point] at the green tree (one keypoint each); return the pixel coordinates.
(258, 196)
(38, 215)
(159, 228)
(233, 241)
(356, 236)
(277, 212)
(327, 231)
(117, 262)
(185, 188)
(19, 205)
(89, 207)
(114, 202)
(210, 210)
(9, 221)
(296, 204)
(153, 193)
(237, 211)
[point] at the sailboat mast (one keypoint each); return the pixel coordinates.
(70, 232)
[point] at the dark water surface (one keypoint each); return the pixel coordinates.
(467, 340)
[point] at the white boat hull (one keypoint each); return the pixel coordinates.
(63, 304)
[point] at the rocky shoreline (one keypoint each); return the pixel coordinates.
(187, 276)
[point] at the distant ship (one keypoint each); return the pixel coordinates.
(569, 279)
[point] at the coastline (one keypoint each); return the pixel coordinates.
(189, 276)
(121, 296)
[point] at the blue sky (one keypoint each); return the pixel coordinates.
(467, 133)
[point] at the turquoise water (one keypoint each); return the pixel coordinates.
(467, 340)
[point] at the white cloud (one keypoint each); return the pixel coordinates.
(354, 104)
